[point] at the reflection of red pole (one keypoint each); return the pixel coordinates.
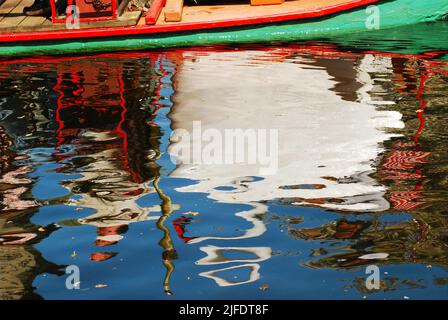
(399, 161)
(420, 112)
(59, 137)
(420, 115)
(119, 128)
(75, 79)
(179, 225)
(158, 89)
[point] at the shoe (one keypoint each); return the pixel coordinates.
(38, 8)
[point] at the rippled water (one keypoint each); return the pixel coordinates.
(87, 177)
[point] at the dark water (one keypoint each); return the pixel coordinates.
(87, 178)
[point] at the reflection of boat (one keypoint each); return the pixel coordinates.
(19, 261)
(228, 23)
(216, 255)
(114, 155)
(326, 145)
(114, 172)
(419, 239)
(225, 105)
(102, 136)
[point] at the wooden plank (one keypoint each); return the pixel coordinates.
(15, 16)
(173, 10)
(32, 22)
(244, 11)
(154, 12)
(7, 7)
(265, 2)
(122, 7)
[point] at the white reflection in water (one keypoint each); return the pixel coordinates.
(109, 188)
(320, 136)
(215, 255)
(258, 227)
(254, 275)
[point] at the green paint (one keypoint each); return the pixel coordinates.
(392, 14)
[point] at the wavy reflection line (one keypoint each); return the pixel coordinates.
(253, 276)
(251, 215)
(330, 144)
(215, 254)
(166, 242)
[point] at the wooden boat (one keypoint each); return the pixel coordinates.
(207, 24)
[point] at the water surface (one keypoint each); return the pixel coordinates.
(87, 176)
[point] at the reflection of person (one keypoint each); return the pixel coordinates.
(38, 8)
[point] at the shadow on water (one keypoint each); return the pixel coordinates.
(87, 176)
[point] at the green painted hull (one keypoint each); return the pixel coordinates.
(392, 14)
(411, 40)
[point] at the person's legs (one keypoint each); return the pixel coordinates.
(38, 8)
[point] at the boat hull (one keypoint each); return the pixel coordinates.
(389, 14)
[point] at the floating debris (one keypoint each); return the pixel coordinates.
(264, 287)
(373, 256)
(318, 252)
(193, 213)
